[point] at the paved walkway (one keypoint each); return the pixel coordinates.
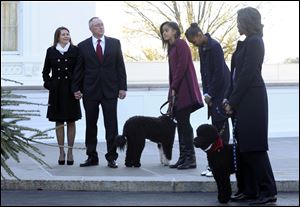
(151, 176)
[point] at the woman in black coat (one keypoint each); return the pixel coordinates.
(63, 107)
(247, 100)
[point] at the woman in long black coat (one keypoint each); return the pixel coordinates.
(63, 107)
(247, 100)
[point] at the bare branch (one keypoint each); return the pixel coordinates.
(199, 11)
(159, 10)
(201, 20)
(217, 19)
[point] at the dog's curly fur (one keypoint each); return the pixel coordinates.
(220, 161)
(137, 129)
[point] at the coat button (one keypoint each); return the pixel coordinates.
(58, 77)
(66, 68)
(58, 60)
(66, 77)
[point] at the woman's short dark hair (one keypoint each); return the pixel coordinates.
(174, 26)
(192, 31)
(57, 34)
(249, 19)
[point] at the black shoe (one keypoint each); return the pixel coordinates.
(112, 164)
(70, 162)
(237, 195)
(179, 162)
(188, 163)
(70, 159)
(242, 198)
(89, 162)
(264, 200)
(61, 162)
(132, 164)
(186, 166)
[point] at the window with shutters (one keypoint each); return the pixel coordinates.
(9, 26)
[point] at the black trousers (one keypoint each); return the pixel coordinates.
(256, 174)
(109, 110)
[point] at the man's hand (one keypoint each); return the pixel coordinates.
(122, 94)
(77, 95)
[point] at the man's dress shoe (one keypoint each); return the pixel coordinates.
(90, 162)
(264, 200)
(112, 164)
(240, 197)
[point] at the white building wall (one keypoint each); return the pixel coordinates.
(37, 24)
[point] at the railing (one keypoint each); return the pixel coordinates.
(142, 74)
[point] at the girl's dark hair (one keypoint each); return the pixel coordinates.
(174, 26)
(249, 19)
(192, 31)
(57, 34)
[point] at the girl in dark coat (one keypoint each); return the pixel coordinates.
(184, 86)
(247, 100)
(215, 78)
(63, 107)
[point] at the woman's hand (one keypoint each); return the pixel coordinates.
(173, 93)
(228, 109)
(78, 95)
(207, 100)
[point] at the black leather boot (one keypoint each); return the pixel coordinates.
(182, 155)
(179, 162)
(190, 159)
(189, 162)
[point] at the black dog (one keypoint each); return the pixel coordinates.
(137, 129)
(219, 156)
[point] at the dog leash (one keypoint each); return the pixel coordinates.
(233, 136)
(169, 113)
(234, 144)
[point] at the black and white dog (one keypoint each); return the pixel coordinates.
(220, 158)
(137, 129)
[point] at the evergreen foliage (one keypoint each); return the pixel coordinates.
(13, 138)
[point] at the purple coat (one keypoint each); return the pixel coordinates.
(182, 77)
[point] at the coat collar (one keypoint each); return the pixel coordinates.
(206, 47)
(241, 43)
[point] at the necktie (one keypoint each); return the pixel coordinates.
(99, 51)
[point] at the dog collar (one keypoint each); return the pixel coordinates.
(208, 148)
(218, 144)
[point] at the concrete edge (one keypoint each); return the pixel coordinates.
(130, 186)
(148, 86)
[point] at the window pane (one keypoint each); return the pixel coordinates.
(9, 25)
